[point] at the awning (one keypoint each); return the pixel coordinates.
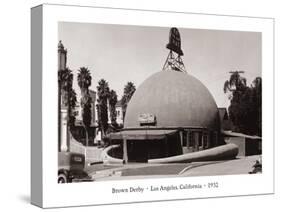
(141, 134)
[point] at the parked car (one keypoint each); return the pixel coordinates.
(71, 168)
(257, 168)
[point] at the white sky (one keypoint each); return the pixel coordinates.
(121, 53)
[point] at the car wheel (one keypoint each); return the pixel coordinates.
(62, 178)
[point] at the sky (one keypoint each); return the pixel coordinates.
(122, 53)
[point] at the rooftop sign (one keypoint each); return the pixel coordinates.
(175, 41)
(147, 119)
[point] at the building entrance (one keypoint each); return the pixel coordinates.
(137, 151)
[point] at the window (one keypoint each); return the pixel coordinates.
(191, 139)
(205, 140)
(215, 138)
(184, 135)
(200, 140)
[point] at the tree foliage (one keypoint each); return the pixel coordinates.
(73, 101)
(103, 95)
(84, 81)
(112, 106)
(236, 83)
(245, 110)
(69, 97)
(129, 90)
(86, 101)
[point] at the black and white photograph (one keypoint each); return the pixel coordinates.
(140, 106)
(140, 102)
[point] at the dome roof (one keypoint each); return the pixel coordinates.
(177, 99)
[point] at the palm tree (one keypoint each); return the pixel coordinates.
(129, 90)
(72, 102)
(235, 83)
(65, 78)
(68, 95)
(112, 103)
(84, 81)
(103, 95)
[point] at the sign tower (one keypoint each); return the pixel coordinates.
(174, 62)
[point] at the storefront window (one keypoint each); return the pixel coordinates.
(215, 138)
(200, 143)
(191, 139)
(184, 143)
(205, 140)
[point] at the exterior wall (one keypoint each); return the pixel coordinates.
(240, 142)
(196, 140)
(92, 154)
(119, 118)
(246, 146)
(253, 146)
(181, 142)
(143, 150)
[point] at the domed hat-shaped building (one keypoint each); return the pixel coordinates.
(171, 113)
(176, 99)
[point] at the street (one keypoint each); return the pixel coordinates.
(145, 170)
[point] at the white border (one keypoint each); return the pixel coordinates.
(56, 195)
